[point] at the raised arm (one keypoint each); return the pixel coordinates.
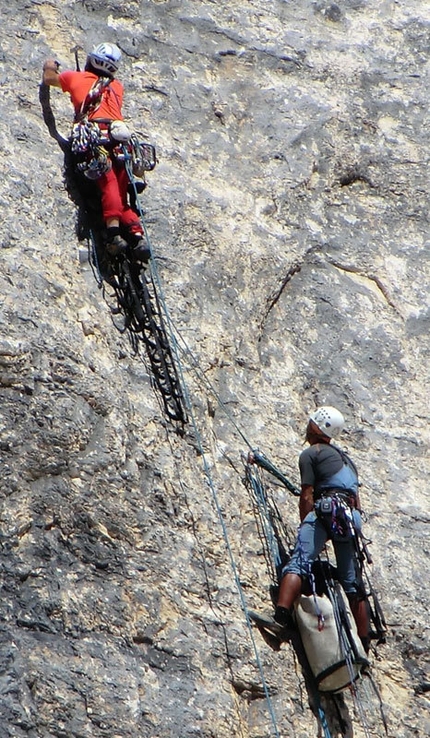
(51, 73)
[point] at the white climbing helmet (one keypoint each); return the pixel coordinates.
(329, 420)
(105, 58)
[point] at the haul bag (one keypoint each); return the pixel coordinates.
(334, 651)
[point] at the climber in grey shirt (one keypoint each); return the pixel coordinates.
(326, 472)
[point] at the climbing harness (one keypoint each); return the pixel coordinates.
(335, 514)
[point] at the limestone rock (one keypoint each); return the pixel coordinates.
(288, 215)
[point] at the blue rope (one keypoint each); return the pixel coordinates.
(268, 532)
(236, 578)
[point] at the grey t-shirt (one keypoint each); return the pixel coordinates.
(319, 463)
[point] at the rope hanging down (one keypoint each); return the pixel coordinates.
(270, 526)
(239, 587)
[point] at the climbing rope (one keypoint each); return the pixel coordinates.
(206, 468)
(211, 485)
(159, 298)
(273, 533)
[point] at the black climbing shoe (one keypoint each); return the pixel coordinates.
(268, 622)
(141, 252)
(116, 246)
(283, 616)
(365, 640)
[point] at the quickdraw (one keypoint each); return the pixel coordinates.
(85, 136)
(93, 159)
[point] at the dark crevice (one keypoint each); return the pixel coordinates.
(275, 297)
(372, 277)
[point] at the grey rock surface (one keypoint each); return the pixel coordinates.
(288, 215)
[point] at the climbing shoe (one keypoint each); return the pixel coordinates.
(141, 252)
(268, 622)
(365, 640)
(283, 616)
(116, 246)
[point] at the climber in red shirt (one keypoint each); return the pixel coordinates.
(96, 94)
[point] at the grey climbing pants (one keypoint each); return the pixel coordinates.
(311, 539)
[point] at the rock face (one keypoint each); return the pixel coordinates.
(288, 215)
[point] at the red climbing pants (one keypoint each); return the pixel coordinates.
(113, 187)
